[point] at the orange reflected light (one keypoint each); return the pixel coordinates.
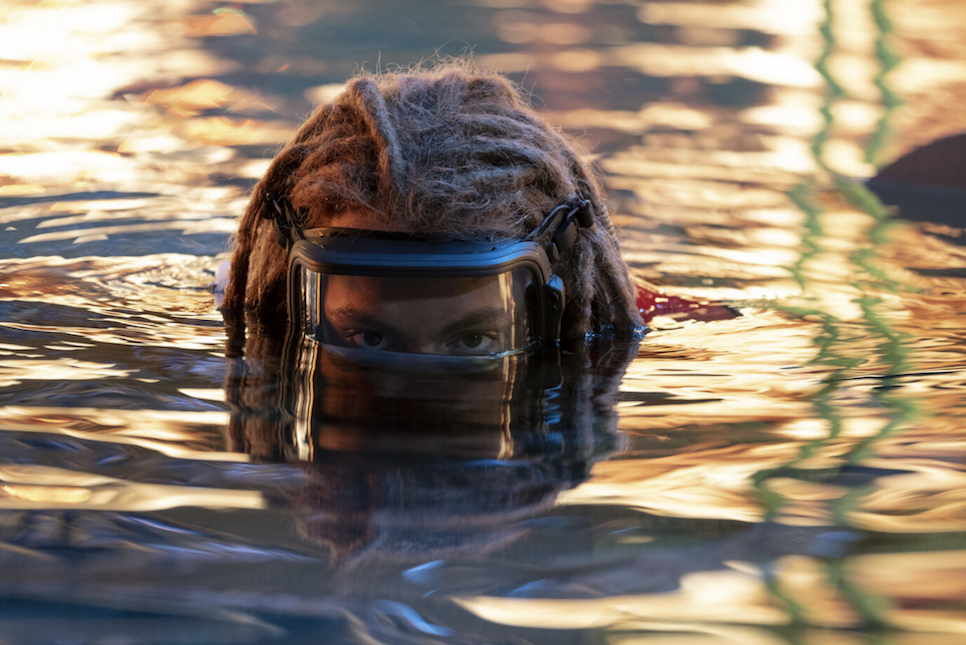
(806, 580)
(719, 490)
(635, 632)
(913, 580)
(775, 68)
(210, 394)
(254, 168)
(934, 575)
(26, 129)
(83, 490)
(804, 429)
(85, 206)
(226, 131)
(58, 166)
(324, 93)
(690, 165)
(856, 117)
(207, 94)
(928, 75)
(213, 225)
(800, 120)
(228, 23)
(847, 158)
(568, 6)
(931, 500)
(769, 16)
(47, 494)
(653, 115)
(711, 596)
(66, 31)
(508, 62)
(195, 96)
(22, 189)
(577, 60)
(798, 490)
(184, 435)
(856, 72)
(13, 371)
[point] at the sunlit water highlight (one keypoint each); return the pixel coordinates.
(794, 474)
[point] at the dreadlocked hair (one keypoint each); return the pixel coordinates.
(427, 151)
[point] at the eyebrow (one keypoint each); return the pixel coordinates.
(478, 318)
(352, 315)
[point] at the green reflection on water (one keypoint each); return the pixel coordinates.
(801, 197)
(893, 348)
(888, 61)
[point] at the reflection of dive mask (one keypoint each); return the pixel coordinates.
(428, 294)
(414, 454)
(418, 454)
(355, 401)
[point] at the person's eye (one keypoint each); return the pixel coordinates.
(370, 340)
(475, 343)
(472, 340)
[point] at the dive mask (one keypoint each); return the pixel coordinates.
(427, 294)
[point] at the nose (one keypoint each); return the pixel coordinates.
(422, 343)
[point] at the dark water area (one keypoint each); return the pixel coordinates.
(792, 474)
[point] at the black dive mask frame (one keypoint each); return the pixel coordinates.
(349, 251)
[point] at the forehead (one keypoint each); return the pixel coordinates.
(368, 289)
(370, 221)
(362, 219)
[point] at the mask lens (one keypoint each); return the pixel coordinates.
(461, 316)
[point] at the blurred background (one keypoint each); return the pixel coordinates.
(790, 474)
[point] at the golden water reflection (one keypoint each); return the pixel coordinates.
(710, 601)
(52, 488)
(730, 135)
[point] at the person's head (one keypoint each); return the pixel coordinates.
(448, 150)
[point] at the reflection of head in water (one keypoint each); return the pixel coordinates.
(429, 152)
(420, 456)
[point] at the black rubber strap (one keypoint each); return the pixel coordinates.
(281, 212)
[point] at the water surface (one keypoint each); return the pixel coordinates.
(792, 474)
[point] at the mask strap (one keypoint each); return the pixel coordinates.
(287, 232)
(558, 232)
